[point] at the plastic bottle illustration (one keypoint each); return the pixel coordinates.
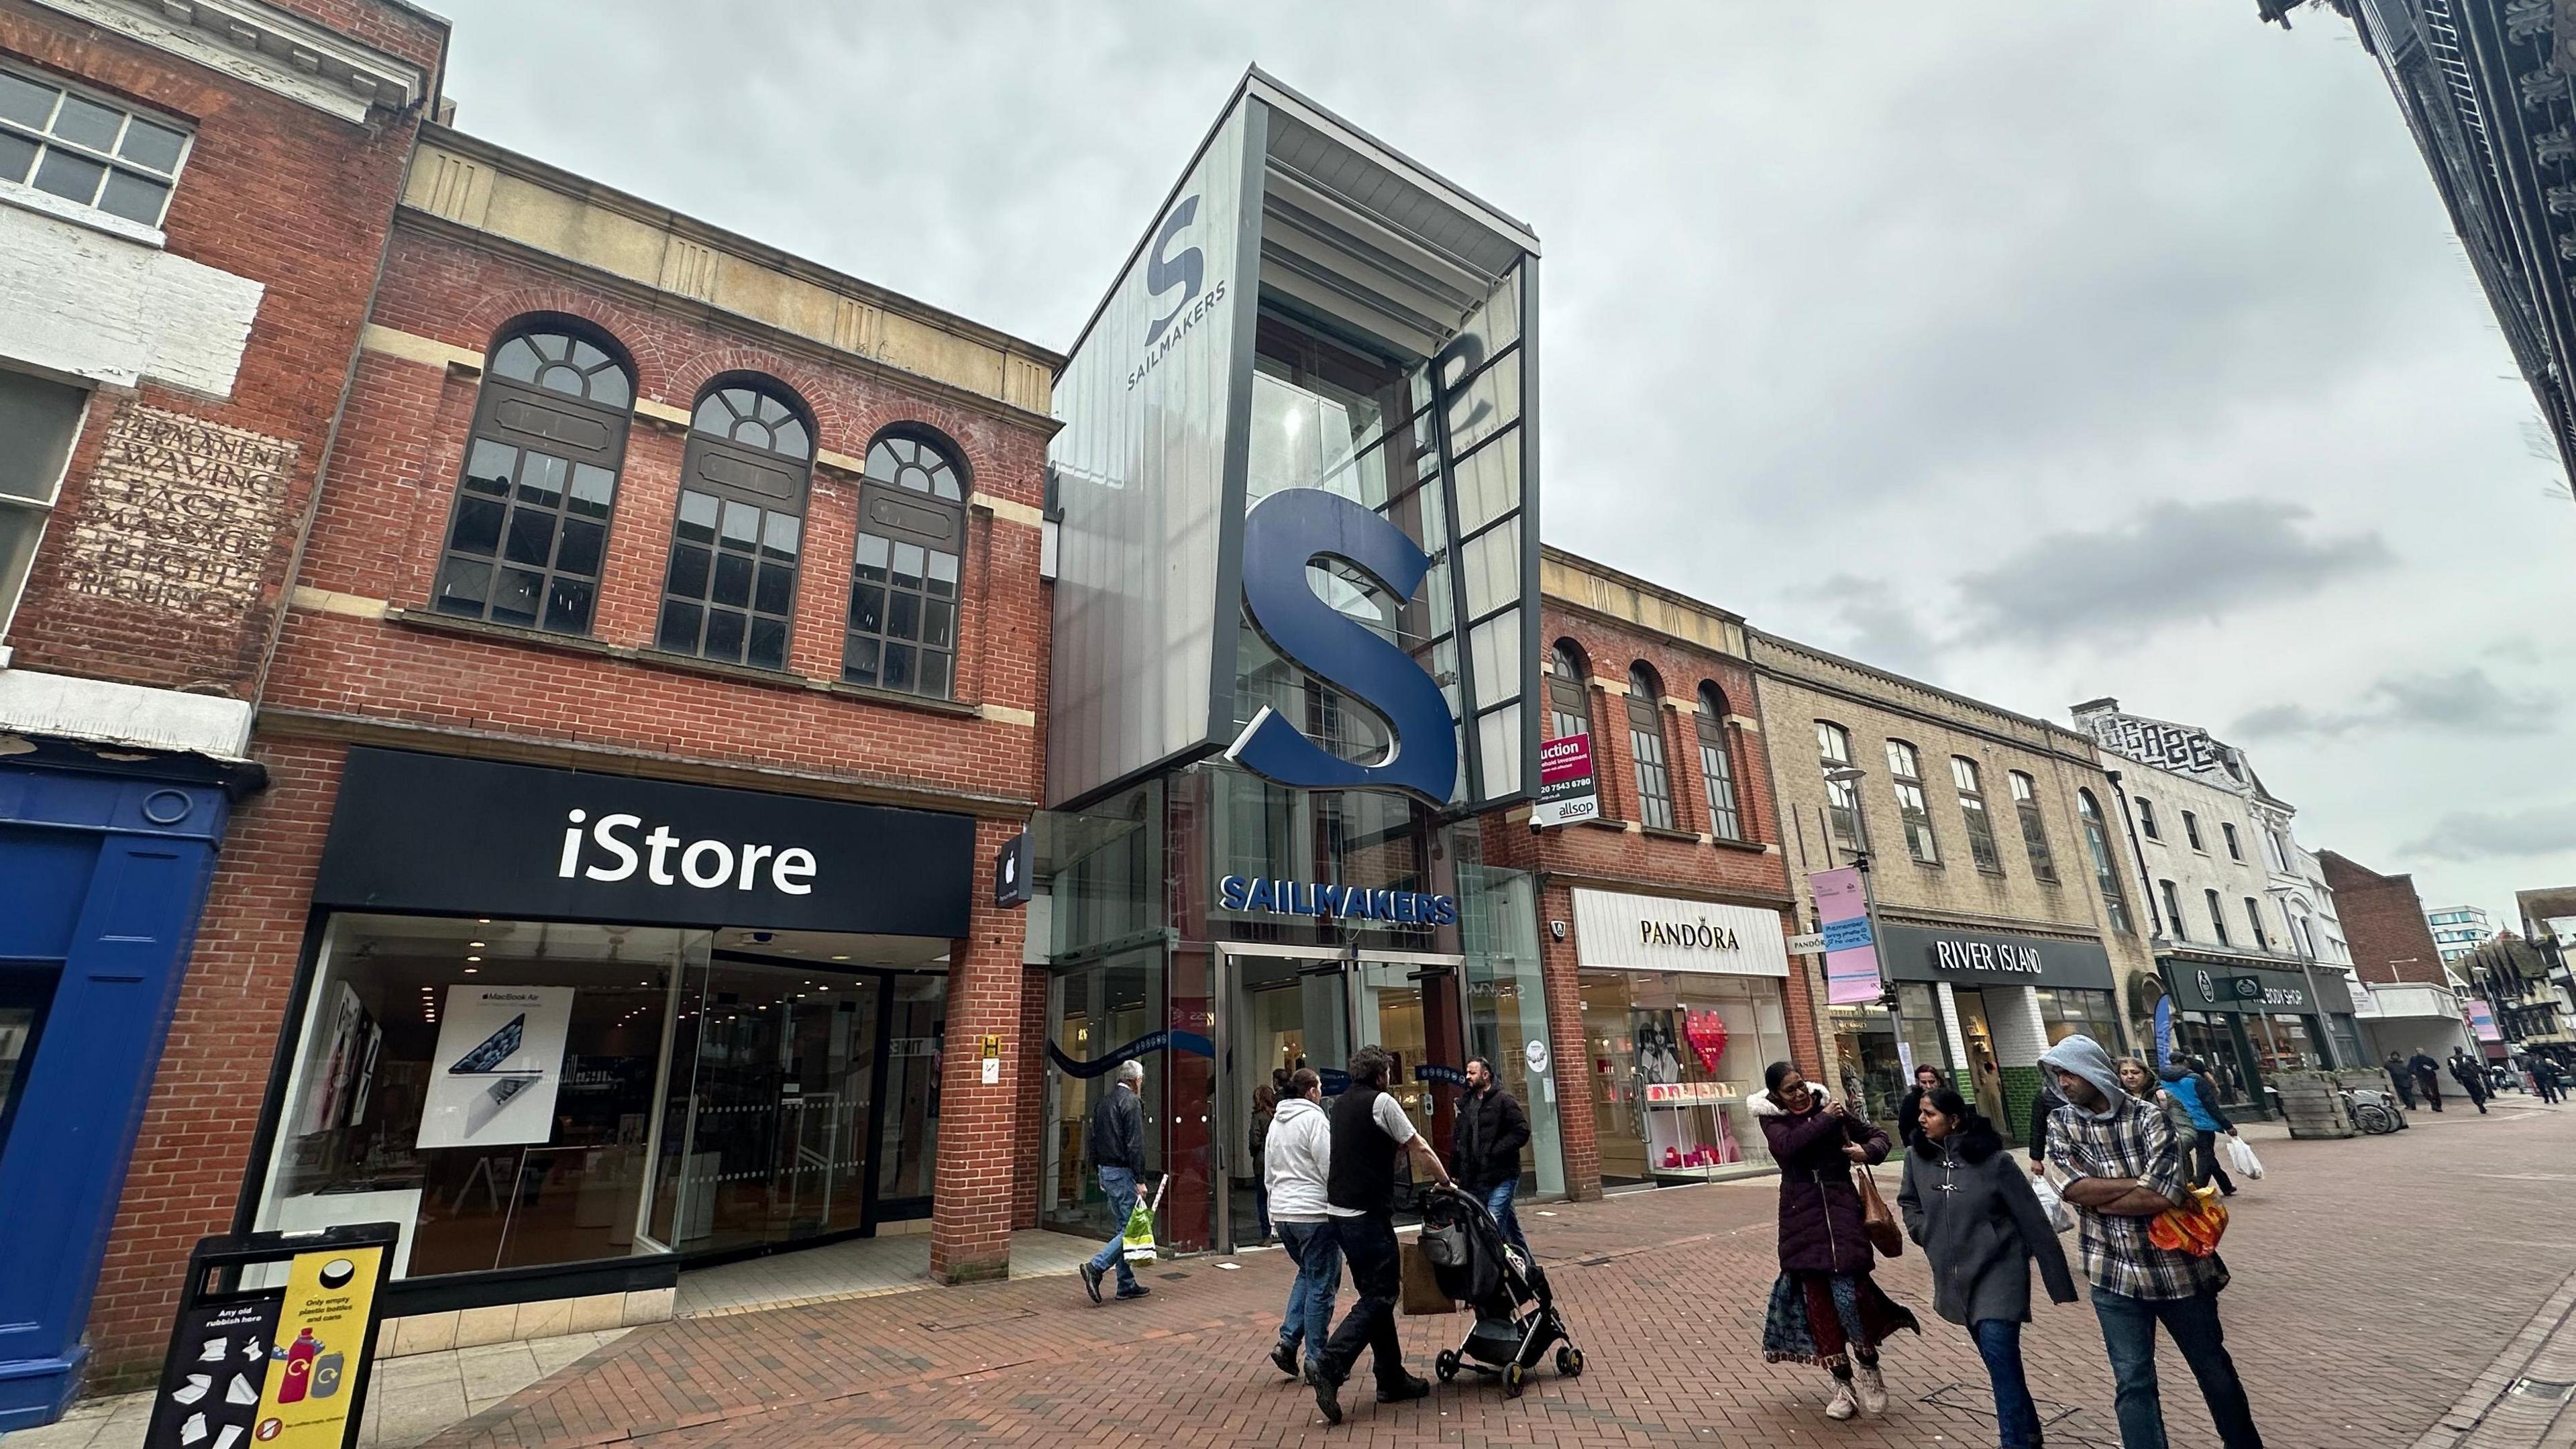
(299, 1367)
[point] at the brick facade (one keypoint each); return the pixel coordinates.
(1605, 619)
(361, 658)
(276, 194)
(2383, 923)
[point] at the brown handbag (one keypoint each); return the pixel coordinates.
(1885, 1233)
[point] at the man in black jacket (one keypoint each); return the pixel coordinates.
(1485, 1151)
(1114, 1139)
(1370, 1133)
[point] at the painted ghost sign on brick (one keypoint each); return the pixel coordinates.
(180, 514)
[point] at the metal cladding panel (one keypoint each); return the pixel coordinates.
(1152, 510)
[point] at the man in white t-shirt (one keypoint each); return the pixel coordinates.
(1370, 1134)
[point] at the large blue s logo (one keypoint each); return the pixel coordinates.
(1282, 535)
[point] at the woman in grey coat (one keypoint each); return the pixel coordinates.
(1980, 1225)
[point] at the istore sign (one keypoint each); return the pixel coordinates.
(439, 835)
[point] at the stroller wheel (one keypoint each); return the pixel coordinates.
(1446, 1365)
(1569, 1361)
(1514, 1380)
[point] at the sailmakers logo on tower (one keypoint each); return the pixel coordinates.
(1165, 270)
(1282, 535)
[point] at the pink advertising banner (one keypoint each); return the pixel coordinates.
(1851, 957)
(2482, 1021)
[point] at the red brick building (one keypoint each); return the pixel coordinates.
(662, 674)
(194, 201)
(1664, 917)
(2383, 922)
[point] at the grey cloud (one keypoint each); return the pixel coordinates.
(1879, 627)
(2485, 834)
(2176, 561)
(2463, 702)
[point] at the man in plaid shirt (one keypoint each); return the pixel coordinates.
(2122, 1165)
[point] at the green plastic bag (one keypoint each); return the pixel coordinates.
(1137, 1242)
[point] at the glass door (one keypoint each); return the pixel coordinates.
(1286, 1011)
(767, 1127)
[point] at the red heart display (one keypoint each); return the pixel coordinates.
(1706, 1031)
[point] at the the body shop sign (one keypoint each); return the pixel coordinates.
(1567, 791)
(436, 834)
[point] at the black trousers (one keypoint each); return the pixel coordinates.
(2204, 1153)
(1377, 1276)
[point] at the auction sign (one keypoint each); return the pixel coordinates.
(1567, 791)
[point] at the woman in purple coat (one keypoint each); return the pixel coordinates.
(1825, 1306)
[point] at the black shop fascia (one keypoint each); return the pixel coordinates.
(570, 1030)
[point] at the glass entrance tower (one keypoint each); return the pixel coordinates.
(1296, 627)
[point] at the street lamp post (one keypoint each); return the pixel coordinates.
(1887, 997)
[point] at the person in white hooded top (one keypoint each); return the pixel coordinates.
(1295, 1161)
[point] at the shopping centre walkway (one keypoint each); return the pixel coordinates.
(2376, 1281)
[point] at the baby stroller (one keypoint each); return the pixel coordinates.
(1516, 1317)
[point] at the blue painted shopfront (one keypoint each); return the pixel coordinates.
(103, 870)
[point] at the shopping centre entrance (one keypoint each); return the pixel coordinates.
(1288, 1007)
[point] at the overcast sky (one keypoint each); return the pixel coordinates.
(2043, 351)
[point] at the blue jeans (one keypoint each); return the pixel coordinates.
(1120, 1185)
(1318, 1256)
(2016, 1417)
(1498, 1201)
(2129, 1332)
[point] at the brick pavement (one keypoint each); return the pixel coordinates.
(2375, 1279)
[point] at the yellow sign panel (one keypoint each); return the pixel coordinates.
(321, 1332)
(992, 1047)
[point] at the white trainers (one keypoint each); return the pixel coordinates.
(1873, 1388)
(1842, 1405)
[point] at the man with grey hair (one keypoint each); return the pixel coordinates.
(1115, 1140)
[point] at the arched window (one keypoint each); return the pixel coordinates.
(2097, 846)
(1971, 785)
(730, 592)
(530, 526)
(1569, 697)
(1646, 742)
(1842, 797)
(1717, 767)
(1905, 776)
(910, 557)
(2034, 830)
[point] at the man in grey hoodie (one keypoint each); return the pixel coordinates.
(2122, 1166)
(1296, 1160)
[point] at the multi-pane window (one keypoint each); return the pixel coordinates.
(1907, 778)
(1717, 767)
(2034, 829)
(1569, 700)
(730, 592)
(1842, 797)
(1972, 809)
(531, 520)
(2191, 830)
(38, 422)
(87, 151)
(2097, 847)
(2173, 910)
(2217, 917)
(2227, 832)
(905, 577)
(2254, 918)
(1646, 742)
(2147, 819)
